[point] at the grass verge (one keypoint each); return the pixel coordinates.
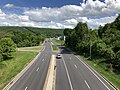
(10, 68)
(61, 42)
(112, 77)
(31, 48)
(55, 48)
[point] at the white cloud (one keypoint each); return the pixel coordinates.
(1, 13)
(95, 13)
(8, 5)
(95, 23)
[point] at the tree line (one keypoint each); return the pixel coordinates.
(10, 40)
(13, 37)
(102, 43)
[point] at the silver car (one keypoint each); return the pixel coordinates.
(58, 56)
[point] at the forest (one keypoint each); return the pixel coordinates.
(101, 45)
(12, 37)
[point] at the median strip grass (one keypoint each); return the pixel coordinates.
(111, 76)
(61, 42)
(10, 68)
(55, 48)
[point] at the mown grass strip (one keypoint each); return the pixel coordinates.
(61, 42)
(10, 68)
(55, 48)
(112, 77)
(31, 48)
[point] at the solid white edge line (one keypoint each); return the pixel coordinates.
(93, 73)
(87, 84)
(19, 75)
(26, 88)
(67, 74)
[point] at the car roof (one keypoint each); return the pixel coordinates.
(58, 54)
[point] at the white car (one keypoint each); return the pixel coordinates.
(58, 56)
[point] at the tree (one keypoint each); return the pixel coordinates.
(7, 46)
(81, 30)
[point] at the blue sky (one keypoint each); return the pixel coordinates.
(58, 13)
(41, 3)
(36, 4)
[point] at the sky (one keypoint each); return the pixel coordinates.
(58, 13)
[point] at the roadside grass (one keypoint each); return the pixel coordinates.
(31, 48)
(55, 48)
(61, 42)
(10, 68)
(101, 68)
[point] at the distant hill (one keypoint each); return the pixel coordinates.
(45, 31)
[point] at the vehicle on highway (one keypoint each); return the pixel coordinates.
(58, 56)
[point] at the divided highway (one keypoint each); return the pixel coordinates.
(71, 73)
(34, 77)
(74, 74)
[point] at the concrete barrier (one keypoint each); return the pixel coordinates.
(50, 78)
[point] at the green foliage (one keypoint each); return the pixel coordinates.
(81, 30)
(28, 36)
(74, 37)
(101, 43)
(10, 68)
(116, 23)
(55, 48)
(26, 39)
(61, 42)
(99, 48)
(1, 57)
(46, 31)
(7, 46)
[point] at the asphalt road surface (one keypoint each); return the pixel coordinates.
(74, 74)
(34, 77)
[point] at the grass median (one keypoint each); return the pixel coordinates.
(100, 68)
(10, 68)
(61, 42)
(55, 48)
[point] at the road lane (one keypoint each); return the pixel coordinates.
(61, 76)
(32, 80)
(81, 75)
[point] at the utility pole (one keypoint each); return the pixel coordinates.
(90, 45)
(90, 48)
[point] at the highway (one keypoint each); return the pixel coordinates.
(34, 77)
(74, 74)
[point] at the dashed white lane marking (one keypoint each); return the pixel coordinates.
(37, 69)
(67, 74)
(87, 84)
(70, 58)
(75, 66)
(26, 88)
(93, 73)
